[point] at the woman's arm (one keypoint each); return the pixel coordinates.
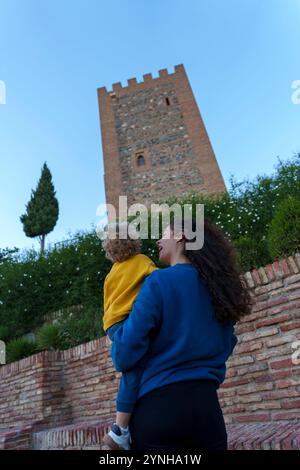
(131, 340)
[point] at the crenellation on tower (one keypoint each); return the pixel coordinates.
(148, 77)
(155, 144)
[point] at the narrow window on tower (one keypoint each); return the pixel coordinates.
(167, 101)
(140, 160)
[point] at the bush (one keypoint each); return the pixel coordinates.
(4, 333)
(81, 327)
(32, 286)
(49, 337)
(284, 231)
(251, 252)
(246, 211)
(19, 348)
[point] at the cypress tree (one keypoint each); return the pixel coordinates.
(42, 210)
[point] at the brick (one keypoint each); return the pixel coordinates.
(254, 388)
(240, 360)
(288, 383)
(292, 264)
(264, 405)
(247, 347)
(285, 416)
(255, 417)
(290, 326)
(272, 321)
(277, 394)
(285, 267)
(263, 276)
(297, 259)
(278, 270)
(257, 367)
(284, 363)
(290, 404)
(259, 334)
(278, 341)
(249, 279)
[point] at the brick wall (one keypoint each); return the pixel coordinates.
(53, 388)
(262, 384)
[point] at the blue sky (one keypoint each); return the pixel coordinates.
(241, 57)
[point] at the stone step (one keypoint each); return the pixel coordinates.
(16, 439)
(89, 436)
(245, 436)
(80, 436)
(277, 435)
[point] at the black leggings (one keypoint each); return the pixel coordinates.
(179, 416)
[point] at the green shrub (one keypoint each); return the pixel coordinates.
(19, 348)
(251, 252)
(49, 337)
(81, 327)
(284, 231)
(4, 332)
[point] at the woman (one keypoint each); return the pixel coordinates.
(182, 323)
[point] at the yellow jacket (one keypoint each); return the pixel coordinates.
(122, 285)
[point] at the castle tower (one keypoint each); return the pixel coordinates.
(155, 144)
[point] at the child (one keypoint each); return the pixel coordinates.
(121, 287)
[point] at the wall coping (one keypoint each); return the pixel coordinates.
(275, 271)
(43, 358)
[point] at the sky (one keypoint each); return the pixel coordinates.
(241, 57)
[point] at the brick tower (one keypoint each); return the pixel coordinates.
(155, 144)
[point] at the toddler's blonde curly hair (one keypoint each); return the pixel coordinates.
(119, 249)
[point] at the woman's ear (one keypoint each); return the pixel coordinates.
(181, 240)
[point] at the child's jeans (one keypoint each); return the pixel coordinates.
(129, 382)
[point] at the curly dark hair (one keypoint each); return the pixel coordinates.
(218, 267)
(120, 249)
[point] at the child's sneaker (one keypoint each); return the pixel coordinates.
(117, 438)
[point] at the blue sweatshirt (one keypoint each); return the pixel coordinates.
(172, 327)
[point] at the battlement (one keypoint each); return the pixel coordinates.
(133, 84)
(160, 117)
